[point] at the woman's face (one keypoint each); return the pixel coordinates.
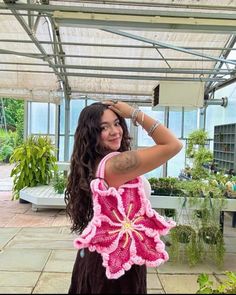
(111, 131)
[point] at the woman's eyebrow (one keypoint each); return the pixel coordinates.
(104, 123)
(107, 123)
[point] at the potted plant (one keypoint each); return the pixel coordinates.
(183, 244)
(210, 234)
(35, 163)
(165, 186)
(153, 183)
(184, 233)
(196, 139)
(59, 182)
(199, 155)
(211, 239)
(204, 205)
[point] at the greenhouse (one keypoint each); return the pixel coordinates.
(172, 61)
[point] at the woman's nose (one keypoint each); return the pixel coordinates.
(114, 130)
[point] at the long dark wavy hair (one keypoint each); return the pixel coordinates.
(87, 152)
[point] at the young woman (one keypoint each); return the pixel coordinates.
(101, 130)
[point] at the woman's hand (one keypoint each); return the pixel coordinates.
(121, 108)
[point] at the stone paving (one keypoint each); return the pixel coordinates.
(37, 254)
(6, 181)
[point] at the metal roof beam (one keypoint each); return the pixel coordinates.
(26, 71)
(142, 22)
(135, 18)
(149, 70)
(218, 65)
(152, 78)
(177, 48)
(36, 42)
(40, 56)
(155, 4)
(57, 49)
(74, 92)
(122, 69)
(125, 76)
(220, 85)
(116, 45)
(128, 77)
(31, 55)
(117, 11)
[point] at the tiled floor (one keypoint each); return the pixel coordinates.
(37, 254)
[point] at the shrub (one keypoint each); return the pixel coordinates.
(35, 163)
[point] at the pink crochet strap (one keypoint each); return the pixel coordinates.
(101, 167)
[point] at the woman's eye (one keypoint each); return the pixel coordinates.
(103, 128)
(117, 124)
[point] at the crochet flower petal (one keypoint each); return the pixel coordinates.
(154, 223)
(119, 260)
(108, 207)
(84, 239)
(131, 201)
(149, 250)
(105, 236)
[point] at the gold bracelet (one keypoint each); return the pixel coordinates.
(153, 127)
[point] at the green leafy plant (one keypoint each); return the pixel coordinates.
(201, 157)
(227, 286)
(209, 201)
(198, 153)
(59, 182)
(201, 213)
(5, 153)
(196, 139)
(183, 240)
(211, 242)
(210, 234)
(35, 163)
(8, 141)
(166, 186)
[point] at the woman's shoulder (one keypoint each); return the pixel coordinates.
(146, 185)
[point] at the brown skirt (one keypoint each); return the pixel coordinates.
(88, 277)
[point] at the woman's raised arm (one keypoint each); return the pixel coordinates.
(128, 165)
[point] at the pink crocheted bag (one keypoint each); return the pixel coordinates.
(125, 229)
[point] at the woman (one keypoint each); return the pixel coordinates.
(101, 130)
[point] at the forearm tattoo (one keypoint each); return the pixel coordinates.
(126, 161)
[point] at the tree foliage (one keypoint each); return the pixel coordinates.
(13, 136)
(14, 112)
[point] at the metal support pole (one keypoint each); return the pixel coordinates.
(26, 119)
(166, 123)
(67, 129)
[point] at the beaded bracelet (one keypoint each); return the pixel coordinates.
(153, 127)
(134, 116)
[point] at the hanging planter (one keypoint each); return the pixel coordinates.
(210, 234)
(184, 233)
(184, 240)
(213, 243)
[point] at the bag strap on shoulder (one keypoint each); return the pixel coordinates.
(101, 167)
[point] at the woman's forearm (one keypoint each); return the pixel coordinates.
(161, 135)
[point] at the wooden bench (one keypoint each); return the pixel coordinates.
(43, 196)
